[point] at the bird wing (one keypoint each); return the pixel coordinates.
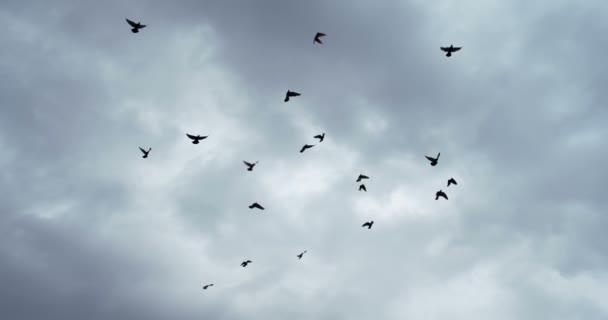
(142, 26)
(456, 49)
(366, 224)
(318, 136)
(429, 158)
(133, 24)
(142, 150)
(247, 163)
(363, 177)
(294, 94)
(363, 187)
(203, 137)
(191, 136)
(446, 49)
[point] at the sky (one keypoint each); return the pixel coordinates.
(90, 230)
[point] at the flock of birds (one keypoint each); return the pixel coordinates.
(291, 94)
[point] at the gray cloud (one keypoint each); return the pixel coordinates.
(91, 230)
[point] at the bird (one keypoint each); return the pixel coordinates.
(196, 139)
(318, 37)
(145, 152)
(291, 94)
(256, 205)
(452, 181)
(440, 194)
(433, 160)
(250, 165)
(245, 263)
(306, 146)
(450, 49)
(207, 286)
(301, 254)
(320, 137)
(368, 224)
(362, 187)
(361, 177)
(136, 26)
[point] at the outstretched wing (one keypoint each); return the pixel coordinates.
(366, 224)
(456, 49)
(142, 26)
(247, 163)
(191, 136)
(133, 24)
(294, 94)
(142, 150)
(429, 158)
(363, 177)
(318, 136)
(446, 49)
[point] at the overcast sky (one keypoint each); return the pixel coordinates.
(90, 230)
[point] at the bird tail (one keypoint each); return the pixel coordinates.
(449, 54)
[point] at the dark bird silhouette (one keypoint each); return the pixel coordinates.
(368, 224)
(452, 181)
(145, 152)
(361, 177)
(207, 286)
(306, 146)
(301, 254)
(318, 37)
(136, 26)
(320, 137)
(250, 165)
(245, 263)
(362, 187)
(433, 160)
(291, 94)
(256, 205)
(196, 139)
(440, 194)
(450, 49)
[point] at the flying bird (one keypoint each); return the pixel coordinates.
(245, 263)
(450, 49)
(145, 152)
(250, 165)
(361, 177)
(301, 254)
(318, 37)
(306, 146)
(196, 139)
(362, 187)
(368, 224)
(452, 181)
(433, 160)
(136, 26)
(207, 286)
(440, 194)
(290, 94)
(256, 205)
(320, 137)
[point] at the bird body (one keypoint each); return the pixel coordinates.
(301, 254)
(361, 177)
(207, 286)
(256, 205)
(450, 49)
(320, 137)
(136, 26)
(368, 224)
(145, 152)
(433, 160)
(318, 37)
(452, 181)
(290, 94)
(245, 263)
(306, 146)
(440, 194)
(196, 139)
(250, 165)
(362, 187)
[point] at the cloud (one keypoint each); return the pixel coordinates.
(91, 230)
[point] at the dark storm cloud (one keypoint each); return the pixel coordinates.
(91, 231)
